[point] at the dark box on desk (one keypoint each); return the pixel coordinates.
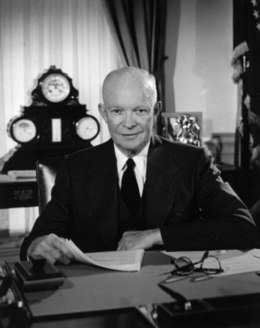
(48, 277)
(206, 312)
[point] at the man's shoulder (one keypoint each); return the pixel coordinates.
(177, 148)
(186, 157)
(92, 153)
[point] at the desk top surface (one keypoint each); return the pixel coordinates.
(88, 289)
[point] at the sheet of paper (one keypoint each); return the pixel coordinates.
(232, 261)
(115, 260)
(197, 255)
(255, 252)
(240, 264)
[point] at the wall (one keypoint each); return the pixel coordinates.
(198, 70)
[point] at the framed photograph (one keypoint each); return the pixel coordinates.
(184, 127)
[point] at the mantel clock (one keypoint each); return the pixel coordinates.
(53, 125)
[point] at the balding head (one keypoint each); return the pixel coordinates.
(127, 78)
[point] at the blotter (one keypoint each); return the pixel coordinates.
(130, 260)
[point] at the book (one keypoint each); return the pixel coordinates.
(129, 260)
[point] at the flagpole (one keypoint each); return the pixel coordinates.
(245, 151)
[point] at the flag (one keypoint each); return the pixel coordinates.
(246, 63)
(246, 36)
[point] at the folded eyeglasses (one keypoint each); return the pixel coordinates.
(208, 264)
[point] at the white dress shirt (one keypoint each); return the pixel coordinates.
(140, 166)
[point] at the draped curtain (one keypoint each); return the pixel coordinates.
(139, 28)
(74, 36)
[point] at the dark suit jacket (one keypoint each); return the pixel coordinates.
(184, 196)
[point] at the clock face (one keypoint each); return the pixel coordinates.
(23, 130)
(87, 128)
(55, 87)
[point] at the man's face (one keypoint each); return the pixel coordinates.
(129, 116)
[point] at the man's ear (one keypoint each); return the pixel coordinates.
(157, 108)
(102, 111)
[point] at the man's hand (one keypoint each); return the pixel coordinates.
(140, 239)
(52, 248)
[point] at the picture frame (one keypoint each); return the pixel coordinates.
(184, 127)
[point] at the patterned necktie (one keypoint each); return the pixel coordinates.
(129, 188)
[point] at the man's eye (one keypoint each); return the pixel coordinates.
(141, 111)
(116, 110)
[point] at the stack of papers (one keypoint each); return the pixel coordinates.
(130, 260)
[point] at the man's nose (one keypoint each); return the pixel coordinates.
(129, 120)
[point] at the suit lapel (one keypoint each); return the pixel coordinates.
(161, 184)
(104, 167)
(102, 180)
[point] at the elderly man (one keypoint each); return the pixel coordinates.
(178, 200)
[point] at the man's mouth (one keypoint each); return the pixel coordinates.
(130, 135)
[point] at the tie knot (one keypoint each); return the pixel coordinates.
(130, 163)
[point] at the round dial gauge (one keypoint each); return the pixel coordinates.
(87, 127)
(55, 87)
(23, 130)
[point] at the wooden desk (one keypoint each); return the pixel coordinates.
(18, 193)
(80, 287)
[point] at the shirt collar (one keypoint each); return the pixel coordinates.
(140, 159)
